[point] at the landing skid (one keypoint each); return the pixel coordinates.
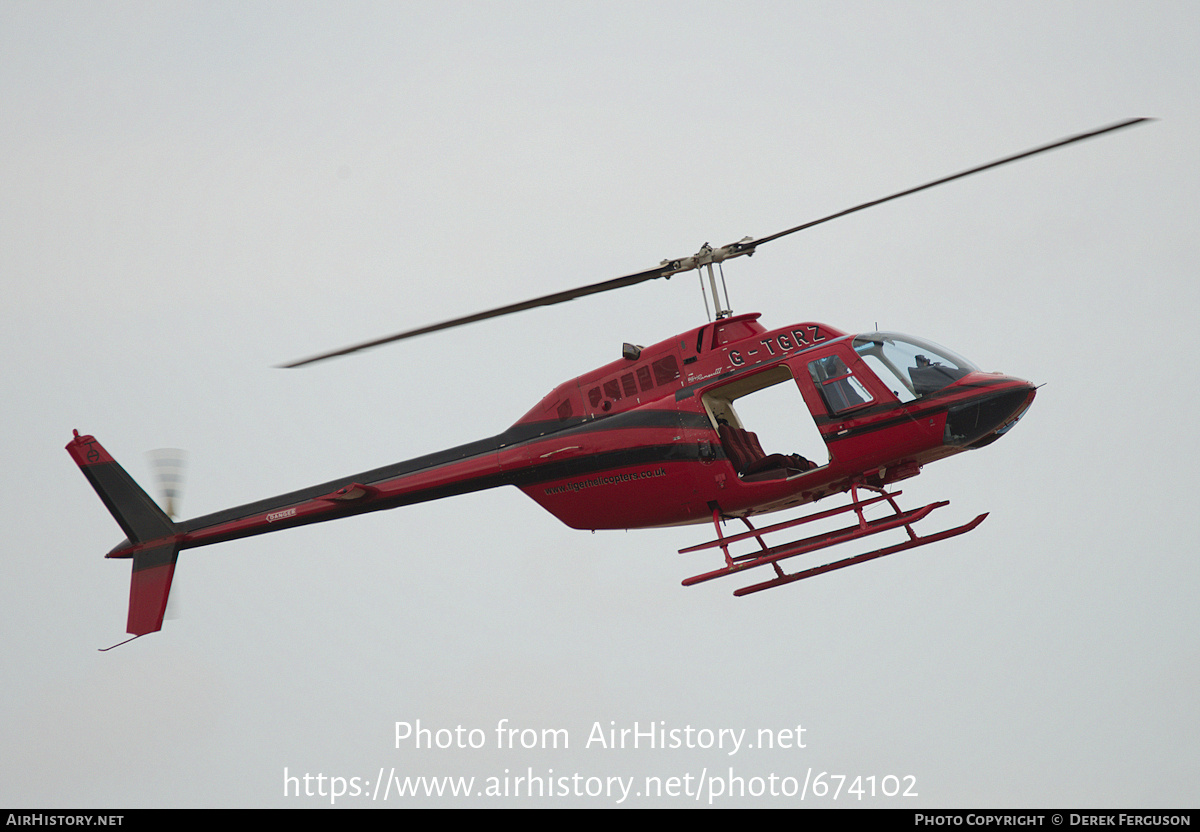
(773, 554)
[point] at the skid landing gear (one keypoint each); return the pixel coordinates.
(774, 554)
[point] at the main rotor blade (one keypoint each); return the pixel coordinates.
(960, 175)
(545, 300)
(706, 255)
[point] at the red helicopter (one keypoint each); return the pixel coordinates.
(655, 439)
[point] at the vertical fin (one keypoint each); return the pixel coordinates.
(149, 587)
(135, 512)
(143, 522)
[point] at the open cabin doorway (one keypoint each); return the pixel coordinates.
(769, 405)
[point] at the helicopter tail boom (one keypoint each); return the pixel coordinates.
(154, 538)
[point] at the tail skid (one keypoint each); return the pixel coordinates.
(154, 537)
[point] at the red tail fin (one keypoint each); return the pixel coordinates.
(149, 588)
(152, 535)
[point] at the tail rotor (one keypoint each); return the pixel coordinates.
(168, 465)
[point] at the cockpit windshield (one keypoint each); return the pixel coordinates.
(910, 367)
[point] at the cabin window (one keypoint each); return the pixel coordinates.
(886, 372)
(910, 367)
(644, 378)
(838, 386)
(629, 384)
(641, 379)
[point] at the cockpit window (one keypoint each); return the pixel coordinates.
(910, 367)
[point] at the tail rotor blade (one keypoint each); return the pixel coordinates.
(168, 465)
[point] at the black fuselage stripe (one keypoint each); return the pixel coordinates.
(913, 416)
(532, 475)
(545, 472)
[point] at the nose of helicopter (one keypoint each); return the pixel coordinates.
(989, 414)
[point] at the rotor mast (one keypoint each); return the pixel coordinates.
(704, 258)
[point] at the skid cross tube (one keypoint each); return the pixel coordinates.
(772, 555)
(878, 553)
(724, 542)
